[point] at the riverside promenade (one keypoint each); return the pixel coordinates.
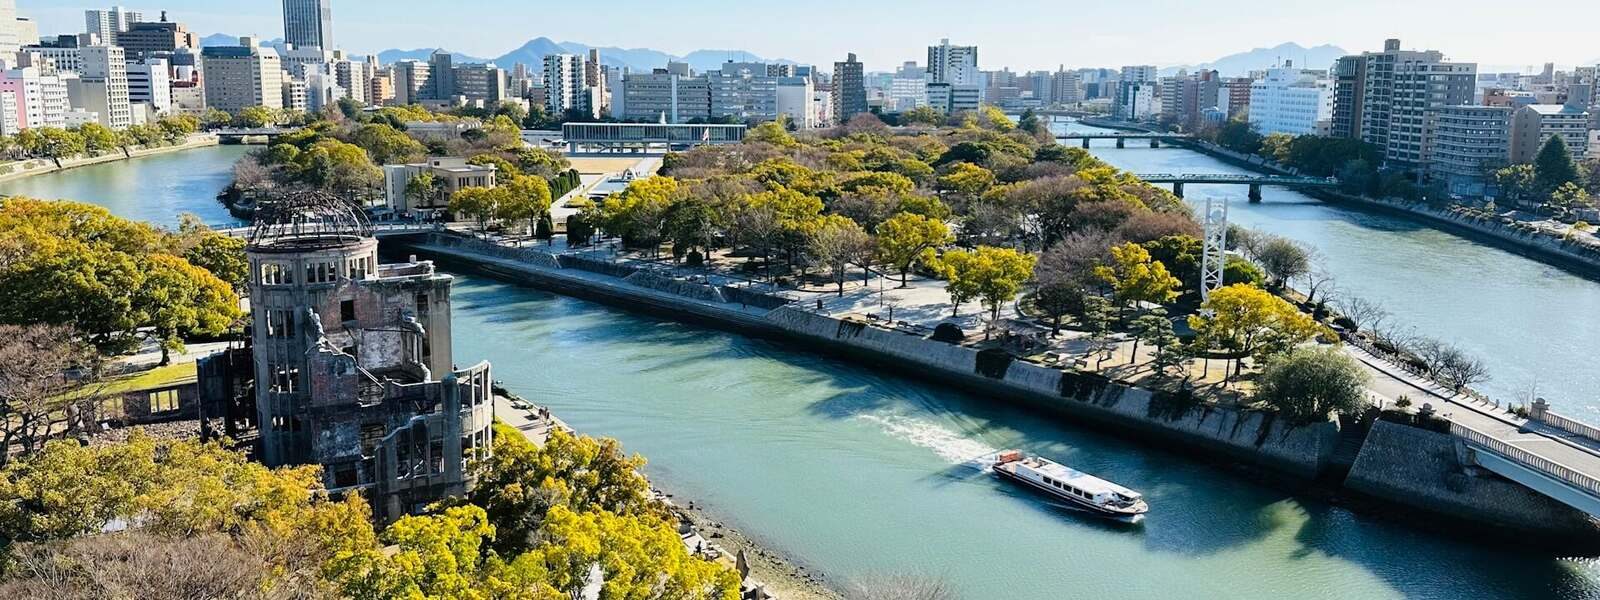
(1545, 477)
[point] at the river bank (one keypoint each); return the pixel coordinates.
(39, 166)
(1574, 254)
(1296, 457)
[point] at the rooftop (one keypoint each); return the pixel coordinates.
(1078, 479)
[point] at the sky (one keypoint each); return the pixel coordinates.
(1022, 34)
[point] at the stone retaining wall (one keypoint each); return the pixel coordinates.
(1420, 469)
(39, 166)
(1254, 437)
(662, 283)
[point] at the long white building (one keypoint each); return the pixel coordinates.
(1291, 101)
(955, 65)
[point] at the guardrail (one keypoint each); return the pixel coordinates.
(1568, 425)
(1527, 458)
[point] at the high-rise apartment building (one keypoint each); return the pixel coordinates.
(849, 95)
(1465, 144)
(1349, 89)
(101, 87)
(238, 77)
(39, 99)
(1533, 125)
(743, 95)
(955, 65)
(480, 83)
(109, 24)
(565, 85)
(412, 80)
(308, 23)
(1398, 88)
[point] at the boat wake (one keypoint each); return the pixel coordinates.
(949, 445)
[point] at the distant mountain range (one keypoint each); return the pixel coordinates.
(226, 39)
(637, 59)
(1236, 65)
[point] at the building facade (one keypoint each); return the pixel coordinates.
(955, 65)
(109, 24)
(350, 365)
(1465, 145)
(1398, 88)
(564, 85)
(450, 175)
(849, 93)
(145, 39)
(238, 77)
(1533, 124)
(1291, 101)
(308, 23)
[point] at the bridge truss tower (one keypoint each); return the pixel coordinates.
(1214, 256)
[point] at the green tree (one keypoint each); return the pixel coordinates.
(1553, 166)
(97, 138)
(340, 168)
(180, 299)
(1308, 384)
(523, 199)
(1153, 328)
(638, 213)
(1517, 183)
(1238, 270)
(906, 238)
(771, 132)
(1059, 299)
(1249, 322)
(56, 144)
(691, 225)
(922, 115)
(638, 558)
(1134, 277)
(423, 188)
(388, 145)
(221, 255)
(1180, 254)
(991, 275)
(1282, 259)
(479, 203)
(1570, 196)
(256, 117)
(215, 119)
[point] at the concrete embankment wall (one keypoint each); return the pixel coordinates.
(1252, 437)
(40, 166)
(1421, 469)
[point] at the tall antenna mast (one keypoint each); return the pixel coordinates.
(1214, 256)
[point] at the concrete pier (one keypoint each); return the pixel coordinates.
(1177, 188)
(1255, 193)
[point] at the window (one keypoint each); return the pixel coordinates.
(283, 379)
(163, 401)
(346, 476)
(422, 306)
(347, 310)
(276, 274)
(357, 268)
(321, 272)
(280, 324)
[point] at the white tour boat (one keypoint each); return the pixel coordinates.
(1081, 489)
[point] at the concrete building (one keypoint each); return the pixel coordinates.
(1532, 125)
(102, 86)
(480, 84)
(794, 96)
(188, 84)
(1066, 87)
(849, 89)
(308, 23)
(1349, 91)
(412, 80)
(1465, 145)
(1233, 97)
(743, 96)
(145, 39)
(14, 32)
(355, 76)
(1398, 88)
(296, 93)
(238, 77)
(665, 97)
(40, 99)
(449, 175)
(1291, 101)
(349, 365)
(1137, 100)
(951, 99)
(150, 87)
(565, 87)
(300, 61)
(955, 65)
(109, 24)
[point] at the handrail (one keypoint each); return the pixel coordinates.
(1527, 458)
(1568, 425)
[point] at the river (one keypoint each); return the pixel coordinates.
(154, 188)
(1537, 327)
(857, 472)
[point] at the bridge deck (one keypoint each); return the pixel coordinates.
(1566, 458)
(1222, 178)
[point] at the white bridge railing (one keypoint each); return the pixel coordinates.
(1528, 459)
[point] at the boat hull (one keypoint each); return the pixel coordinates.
(1076, 502)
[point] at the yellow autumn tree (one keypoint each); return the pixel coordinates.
(1249, 322)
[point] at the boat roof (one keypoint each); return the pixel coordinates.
(1079, 479)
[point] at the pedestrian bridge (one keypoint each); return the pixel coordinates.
(1254, 181)
(241, 135)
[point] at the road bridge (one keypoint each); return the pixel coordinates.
(1254, 181)
(1122, 137)
(242, 135)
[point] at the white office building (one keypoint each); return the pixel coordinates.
(1291, 101)
(108, 24)
(150, 88)
(565, 87)
(795, 102)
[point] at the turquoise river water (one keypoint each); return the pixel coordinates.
(855, 471)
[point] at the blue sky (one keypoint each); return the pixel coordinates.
(1024, 34)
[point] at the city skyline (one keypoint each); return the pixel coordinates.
(1167, 33)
